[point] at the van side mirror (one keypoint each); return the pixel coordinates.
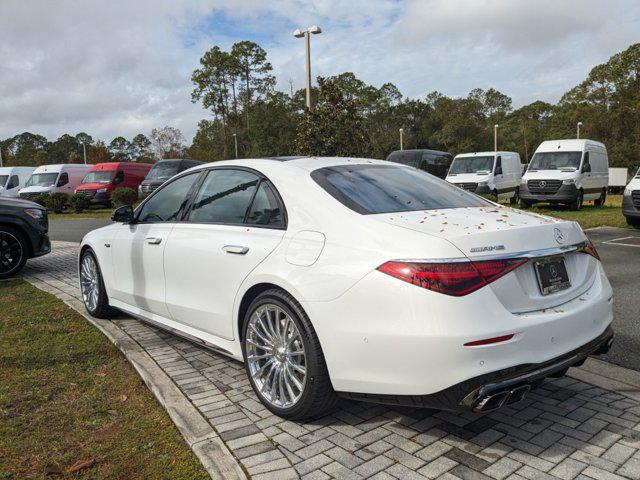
(123, 214)
(119, 178)
(586, 167)
(499, 170)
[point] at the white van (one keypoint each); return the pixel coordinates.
(47, 179)
(568, 172)
(631, 201)
(12, 179)
(488, 173)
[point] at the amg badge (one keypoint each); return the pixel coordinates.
(488, 248)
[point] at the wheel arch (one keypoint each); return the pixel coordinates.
(18, 225)
(249, 295)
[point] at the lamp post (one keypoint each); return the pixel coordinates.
(401, 138)
(495, 137)
(235, 142)
(578, 130)
(306, 32)
(0, 157)
(84, 153)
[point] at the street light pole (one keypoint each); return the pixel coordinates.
(578, 130)
(495, 137)
(306, 33)
(84, 153)
(0, 157)
(235, 142)
(401, 139)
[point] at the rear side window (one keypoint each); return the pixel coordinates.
(370, 189)
(224, 197)
(265, 209)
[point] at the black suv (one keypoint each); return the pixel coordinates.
(23, 234)
(162, 171)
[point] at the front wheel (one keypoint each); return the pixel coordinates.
(13, 251)
(516, 197)
(524, 204)
(577, 203)
(94, 295)
(633, 221)
(598, 202)
(283, 358)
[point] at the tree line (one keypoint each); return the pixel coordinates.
(353, 118)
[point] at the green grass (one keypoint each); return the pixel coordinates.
(69, 397)
(610, 214)
(91, 213)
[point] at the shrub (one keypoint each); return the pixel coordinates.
(79, 202)
(123, 196)
(42, 199)
(58, 202)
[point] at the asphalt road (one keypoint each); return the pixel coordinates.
(621, 260)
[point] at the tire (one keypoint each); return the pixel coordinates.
(101, 308)
(316, 395)
(14, 251)
(516, 197)
(598, 202)
(495, 197)
(633, 222)
(577, 203)
(524, 204)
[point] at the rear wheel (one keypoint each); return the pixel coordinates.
(13, 251)
(94, 295)
(283, 358)
(577, 203)
(598, 202)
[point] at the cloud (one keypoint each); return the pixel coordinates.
(123, 67)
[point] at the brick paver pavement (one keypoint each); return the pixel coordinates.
(566, 429)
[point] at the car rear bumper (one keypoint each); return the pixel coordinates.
(386, 339)
(492, 390)
(566, 193)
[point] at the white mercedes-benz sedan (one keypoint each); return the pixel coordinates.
(357, 278)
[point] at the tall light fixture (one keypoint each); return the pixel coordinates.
(306, 32)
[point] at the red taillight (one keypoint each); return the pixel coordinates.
(590, 249)
(451, 278)
(489, 341)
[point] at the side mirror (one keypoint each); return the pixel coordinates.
(586, 168)
(119, 178)
(123, 214)
(499, 171)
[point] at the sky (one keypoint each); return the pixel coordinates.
(123, 67)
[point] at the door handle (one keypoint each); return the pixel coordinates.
(153, 240)
(237, 249)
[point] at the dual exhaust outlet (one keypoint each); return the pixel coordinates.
(496, 400)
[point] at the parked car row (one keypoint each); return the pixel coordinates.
(567, 172)
(342, 277)
(96, 182)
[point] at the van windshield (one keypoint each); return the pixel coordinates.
(555, 161)
(99, 176)
(163, 171)
(3, 180)
(42, 180)
(371, 189)
(471, 165)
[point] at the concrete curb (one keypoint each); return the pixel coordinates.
(203, 440)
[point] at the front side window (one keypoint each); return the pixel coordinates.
(13, 182)
(370, 189)
(472, 165)
(168, 203)
(63, 180)
(224, 197)
(498, 168)
(101, 176)
(555, 161)
(3, 180)
(42, 180)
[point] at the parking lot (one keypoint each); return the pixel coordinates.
(564, 429)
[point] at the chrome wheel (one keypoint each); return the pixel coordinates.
(275, 356)
(11, 252)
(89, 282)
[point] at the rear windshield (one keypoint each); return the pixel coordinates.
(471, 165)
(163, 171)
(370, 189)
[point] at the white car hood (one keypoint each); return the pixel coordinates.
(36, 189)
(481, 231)
(468, 178)
(549, 175)
(634, 184)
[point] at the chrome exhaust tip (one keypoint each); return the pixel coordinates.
(492, 402)
(518, 394)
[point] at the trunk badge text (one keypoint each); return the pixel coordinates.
(488, 248)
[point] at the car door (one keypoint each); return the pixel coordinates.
(235, 221)
(138, 248)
